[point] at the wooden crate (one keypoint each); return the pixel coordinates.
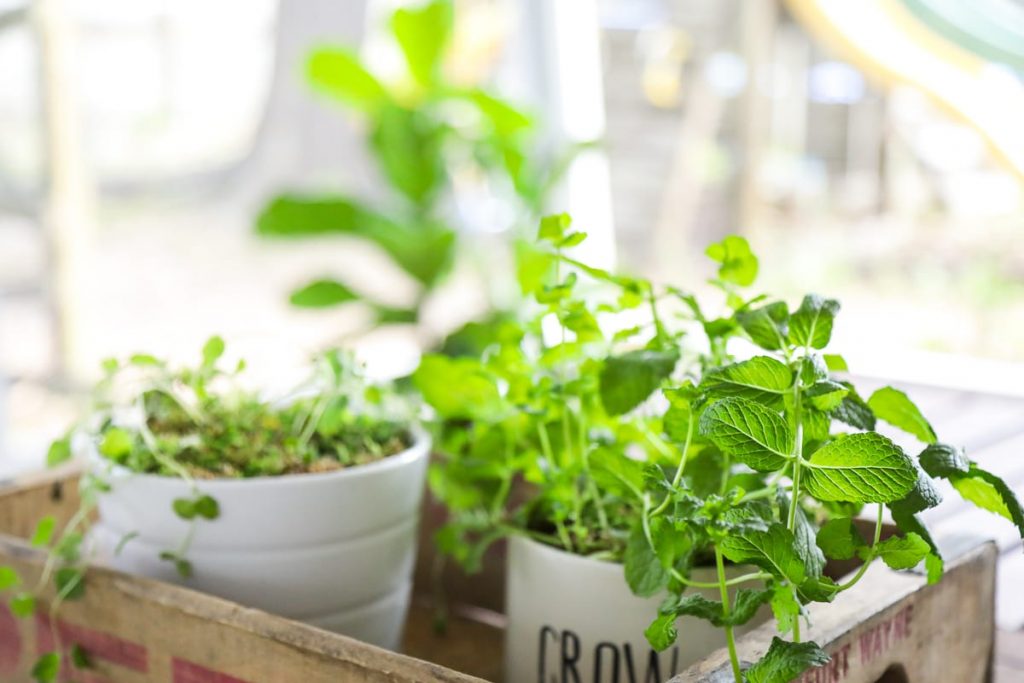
(138, 630)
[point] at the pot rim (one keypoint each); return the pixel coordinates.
(420, 448)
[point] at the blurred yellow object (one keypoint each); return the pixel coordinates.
(481, 29)
(888, 43)
(666, 55)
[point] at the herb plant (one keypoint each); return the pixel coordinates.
(436, 141)
(763, 462)
(197, 423)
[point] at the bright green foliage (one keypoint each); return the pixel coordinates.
(750, 461)
(46, 668)
(423, 130)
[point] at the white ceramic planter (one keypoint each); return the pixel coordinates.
(574, 620)
(335, 549)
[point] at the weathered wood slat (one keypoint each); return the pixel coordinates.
(893, 623)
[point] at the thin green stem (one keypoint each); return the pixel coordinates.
(871, 554)
(679, 470)
(729, 638)
(745, 578)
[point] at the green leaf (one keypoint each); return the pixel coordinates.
(213, 349)
(505, 118)
(422, 34)
(116, 444)
(785, 607)
(903, 553)
(644, 573)
(805, 546)
(785, 661)
(533, 267)
(746, 604)
(44, 531)
(322, 294)
(894, 407)
(677, 418)
(826, 395)
(991, 493)
(184, 508)
(854, 411)
(23, 605)
(207, 507)
(903, 515)
(629, 379)
(762, 379)
(940, 460)
(860, 468)
(59, 453)
(836, 363)
(839, 539)
(337, 72)
(738, 262)
(749, 432)
(811, 324)
(8, 578)
(615, 472)
(181, 565)
(766, 326)
(773, 550)
(696, 605)
(552, 228)
(662, 632)
(80, 658)
(46, 668)
(457, 387)
(70, 582)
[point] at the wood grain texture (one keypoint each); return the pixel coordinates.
(893, 621)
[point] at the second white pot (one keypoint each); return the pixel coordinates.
(333, 549)
(571, 618)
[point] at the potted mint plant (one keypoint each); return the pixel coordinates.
(307, 506)
(562, 406)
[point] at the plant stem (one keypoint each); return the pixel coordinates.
(871, 554)
(729, 638)
(798, 454)
(679, 470)
(755, 576)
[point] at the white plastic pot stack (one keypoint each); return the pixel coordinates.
(335, 549)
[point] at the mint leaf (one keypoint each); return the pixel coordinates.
(762, 379)
(766, 326)
(785, 607)
(785, 661)
(894, 407)
(749, 432)
(116, 444)
(839, 539)
(339, 73)
(836, 363)
(806, 547)
(826, 395)
(422, 33)
(811, 324)
(644, 573)
(773, 550)
(628, 380)
(457, 387)
(991, 493)
(746, 604)
(553, 227)
(59, 452)
(854, 411)
(44, 531)
(662, 631)
(322, 294)
(8, 578)
(860, 468)
(676, 420)
(903, 553)
(46, 668)
(738, 262)
(941, 460)
(617, 473)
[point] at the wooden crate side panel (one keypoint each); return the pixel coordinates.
(141, 630)
(893, 622)
(27, 500)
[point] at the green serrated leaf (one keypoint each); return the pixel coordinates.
(644, 574)
(762, 379)
(991, 493)
(811, 324)
(860, 468)
(661, 634)
(338, 73)
(785, 661)
(893, 406)
(738, 262)
(322, 294)
(47, 668)
(826, 395)
(941, 460)
(839, 539)
(766, 326)
(44, 531)
(616, 473)
(903, 553)
(785, 607)
(749, 432)
(773, 550)
(457, 387)
(746, 604)
(854, 411)
(629, 379)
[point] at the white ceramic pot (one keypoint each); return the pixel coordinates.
(572, 619)
(334, 549)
